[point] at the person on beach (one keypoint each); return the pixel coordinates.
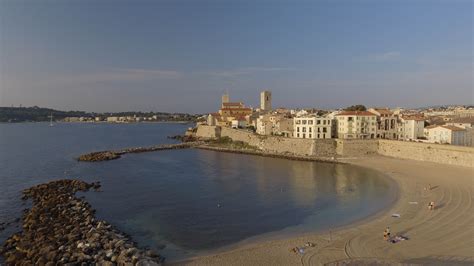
(386, 233)
(431, 205)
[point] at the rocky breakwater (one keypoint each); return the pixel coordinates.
(61, 229)
(111, 155)
(99, 156)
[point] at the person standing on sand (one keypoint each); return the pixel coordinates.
(386, 233)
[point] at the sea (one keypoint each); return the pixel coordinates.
(185, 203)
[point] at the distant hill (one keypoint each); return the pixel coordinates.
(35, 114)
(39, 114)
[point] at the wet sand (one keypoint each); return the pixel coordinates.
(442, 236)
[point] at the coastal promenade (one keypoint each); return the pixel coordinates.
(444, 236)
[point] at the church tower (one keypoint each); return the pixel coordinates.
(225, 98)
(266, 100)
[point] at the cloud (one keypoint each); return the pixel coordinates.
(246, 71)
(388, 56)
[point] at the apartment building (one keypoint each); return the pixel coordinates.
(356, 125)
(411, 127)
(387, 123)
(312, 127)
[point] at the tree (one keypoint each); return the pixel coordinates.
(358, 107)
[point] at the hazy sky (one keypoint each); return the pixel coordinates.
(181, 55)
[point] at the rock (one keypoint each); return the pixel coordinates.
(109, 253)
(61, 229)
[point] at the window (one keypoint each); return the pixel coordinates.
(298, 129)
(304, 122)
(309, 135)
(304, 129)
(324, 122)
(298, 135)
(319, 129)
(304, 135)
(350, 119)
(298, 122)
(310, 129)
(318, 136)
(310, 122)
(324, 129)
(318, 122)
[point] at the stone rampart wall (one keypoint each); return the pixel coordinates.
(438, 153)
(356, 147)
(447, 154)
(323, 148)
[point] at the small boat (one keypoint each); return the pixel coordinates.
(51, 120)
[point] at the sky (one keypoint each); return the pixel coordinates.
(180, 56)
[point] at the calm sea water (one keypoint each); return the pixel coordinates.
(185, 202)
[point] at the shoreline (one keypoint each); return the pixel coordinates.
(265, 238)
(361, 241)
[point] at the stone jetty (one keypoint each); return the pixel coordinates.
(111, 155)
(61, 229)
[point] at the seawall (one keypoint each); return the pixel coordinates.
(328, 148)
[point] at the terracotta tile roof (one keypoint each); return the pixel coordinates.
(463, 120)
(416, 118)
(232, 104)
(236, 109)
(356, 113)
(453, 128)
(383, 111)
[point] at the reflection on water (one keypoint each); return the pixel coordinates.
(184, 202)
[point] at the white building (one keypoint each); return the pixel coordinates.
(356, 125)
(239, 123)
(411, 127)
(264, 125)
(312, 127)
(447, 135)
(112, 119)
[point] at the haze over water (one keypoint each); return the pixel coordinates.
(185, 202)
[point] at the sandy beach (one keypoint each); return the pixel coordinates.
(441, 236)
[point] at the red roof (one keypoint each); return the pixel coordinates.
(453, 128)
(232, 104)
(357, 113)
(416, 118)
(383, 111)
(237, 109)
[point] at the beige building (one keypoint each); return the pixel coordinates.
(230, 111)
(386, 123)
(356, 125)
(312, 127)
(448, 135)
(411, 127)
(274, 124)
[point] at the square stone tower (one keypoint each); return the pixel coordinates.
(225, 98)
(266, 100)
